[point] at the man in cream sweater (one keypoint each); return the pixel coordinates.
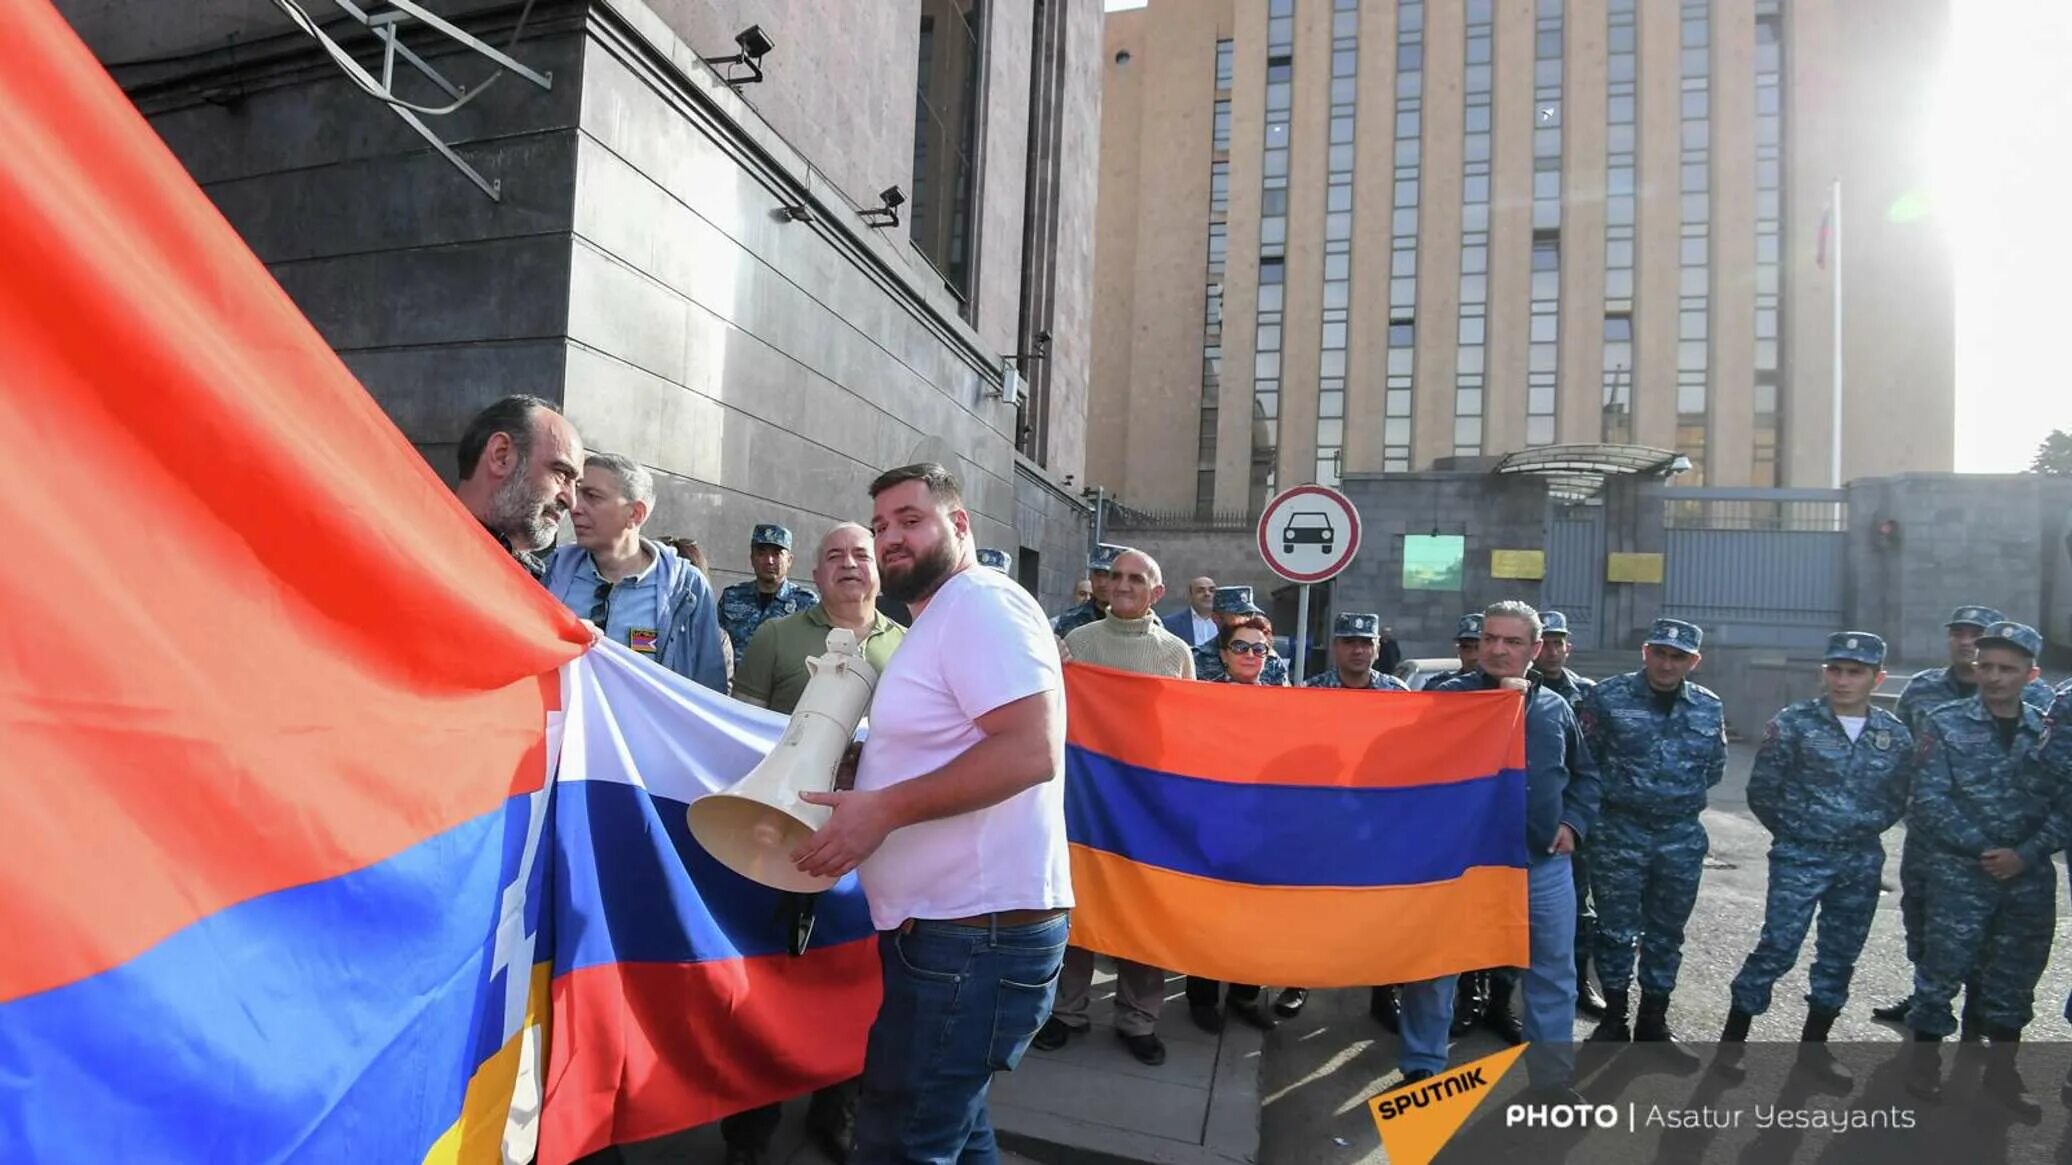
(1130, 638)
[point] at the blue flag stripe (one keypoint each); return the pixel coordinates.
(637, 888)
(1290, 835)
(338, 1021)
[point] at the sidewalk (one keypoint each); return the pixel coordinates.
(1091, 1101)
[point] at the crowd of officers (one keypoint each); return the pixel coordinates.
(1968, 759)
(1618, 774)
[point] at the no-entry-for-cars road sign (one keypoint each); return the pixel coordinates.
(1309, 533)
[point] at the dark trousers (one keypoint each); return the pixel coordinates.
(1209, 992)
(756, 1128)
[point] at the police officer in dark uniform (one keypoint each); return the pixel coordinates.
(771, 594)
(1661, 745)
(1551, 671)
(1355, 637)
(1832, 775)
(1100, 566)
(1989, 820)
(1924, 693)
(1467, 642)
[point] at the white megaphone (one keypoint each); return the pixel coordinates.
(754, 825)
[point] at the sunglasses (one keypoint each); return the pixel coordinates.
(1241, 648)
(601, 604)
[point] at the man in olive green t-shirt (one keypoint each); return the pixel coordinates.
(773, 671)
(772, 674)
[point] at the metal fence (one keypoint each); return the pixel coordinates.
(1122, 517)
(1757, 568)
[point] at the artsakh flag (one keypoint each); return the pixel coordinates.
(1314, 837)
(277, 721)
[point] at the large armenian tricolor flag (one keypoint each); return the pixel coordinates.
(1315, 837)
(283, 873)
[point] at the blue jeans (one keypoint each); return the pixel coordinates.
(1548, 987)
(961, 1003)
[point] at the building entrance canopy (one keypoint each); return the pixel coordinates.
(1575, 473)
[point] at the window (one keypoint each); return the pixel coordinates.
(940, 215)
(1769, 231)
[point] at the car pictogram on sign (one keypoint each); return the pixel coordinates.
(1308, 526)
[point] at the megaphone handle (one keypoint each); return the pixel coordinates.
(796, 912)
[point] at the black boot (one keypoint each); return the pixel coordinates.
(1470, 1003)
(1815, 1057)
(1924, 1070)
(1652, 1026)
(2003, 1078)
(1589, 1001)
(1733, 1041)
(1612, 1028)
(1289, 1003)
(1499, 1018)
(1386, 1006)
(1893, 1012)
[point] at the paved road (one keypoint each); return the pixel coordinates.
(1320, 1070)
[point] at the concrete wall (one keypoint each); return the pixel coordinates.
(1493, 512)
(1962, 539)
(439, 299)
(636, 270)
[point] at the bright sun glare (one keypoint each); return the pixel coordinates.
(2002, 153)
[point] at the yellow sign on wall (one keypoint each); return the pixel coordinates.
(1518, 564)
(1633, 568)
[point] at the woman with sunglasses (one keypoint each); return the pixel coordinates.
(1244, 645)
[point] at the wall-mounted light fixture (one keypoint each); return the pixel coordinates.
(754, 44)
(795, 213)
(886, 215)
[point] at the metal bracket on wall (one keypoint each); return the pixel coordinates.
(386, 19)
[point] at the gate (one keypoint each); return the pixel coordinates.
(1574, 584)
(1757, 567)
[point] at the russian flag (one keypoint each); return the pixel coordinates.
(676, 1000)
(1315, 837)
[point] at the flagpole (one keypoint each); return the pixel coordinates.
(1835, 252)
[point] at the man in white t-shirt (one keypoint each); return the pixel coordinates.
(956, 825)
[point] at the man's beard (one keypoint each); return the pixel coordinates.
(528, 521)
(919, 578)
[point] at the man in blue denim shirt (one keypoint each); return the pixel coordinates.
(1561, 795)
(640, 593)
(1661, 745)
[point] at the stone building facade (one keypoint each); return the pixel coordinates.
(681, 263)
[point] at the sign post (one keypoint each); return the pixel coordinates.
(1306, 535)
